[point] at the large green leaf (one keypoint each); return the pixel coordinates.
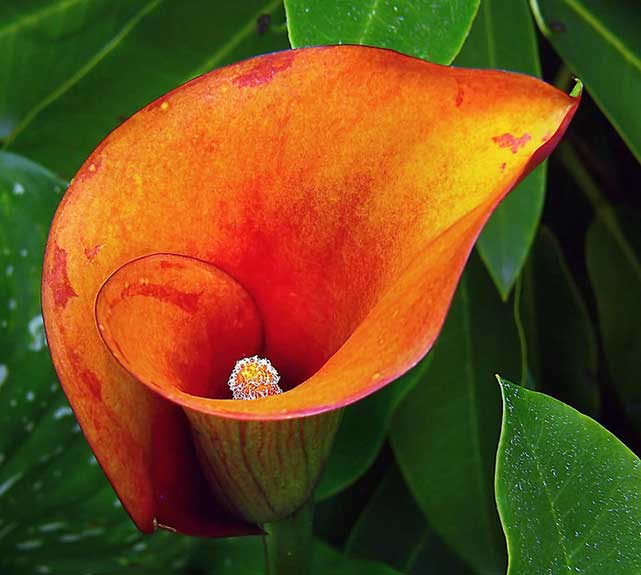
(612, 250)
(600, 41)
(58, 513)
(56, 36)
(503, 36)
(104, 60)
(430, 29)
(445, 432)
(561, 344)
(568, 491)
(362, 433)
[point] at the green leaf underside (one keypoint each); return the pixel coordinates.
(429, 29)
(98, 70)
(445, 432)
(562, 350)
(600, 41)
(615, 274)
(59, 514)
(503, 36)
(568, 491)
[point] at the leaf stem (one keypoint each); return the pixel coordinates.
(288, 543)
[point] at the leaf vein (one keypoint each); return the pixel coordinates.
(83, 71)
(34, 18)
(227, 48)
(603, 31)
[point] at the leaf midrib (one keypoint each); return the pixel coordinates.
(548, 496)
(70, 82)
(368, 23)
(579, 9)
(489, 31)
(33, 18)
(128, 27)
(474, 403)
(227, 48)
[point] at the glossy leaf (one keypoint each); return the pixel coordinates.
(104, 60)
(503, 36)
(362, 432)
(445, 432)
(568, 491)
(600, 41)
(614, 268)
(59, 514)
(429, 29)
(562, 351)
(58, 36)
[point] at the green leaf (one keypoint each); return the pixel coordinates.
(600, 41)
(57, 36)
(59, 514)
(362, 433)
(503, 36)
(561, 344)
(429, 29)
(104, 60)
(612, 247)
(445, 432)
(568, 491)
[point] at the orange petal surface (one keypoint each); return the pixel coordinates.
(332, 194)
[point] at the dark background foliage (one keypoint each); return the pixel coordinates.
(550, 299)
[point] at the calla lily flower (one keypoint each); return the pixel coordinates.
(314, 207)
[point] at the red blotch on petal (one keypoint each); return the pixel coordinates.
(58, 279)
(264, 70)
(93, 383)
(167, 265)
(459, 97)
(511, 141)
(185, 301)
(91, 253)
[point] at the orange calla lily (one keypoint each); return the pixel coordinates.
(315, 207)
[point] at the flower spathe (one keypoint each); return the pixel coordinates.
(313, 207)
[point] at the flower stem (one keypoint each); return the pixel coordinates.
(288, 543)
